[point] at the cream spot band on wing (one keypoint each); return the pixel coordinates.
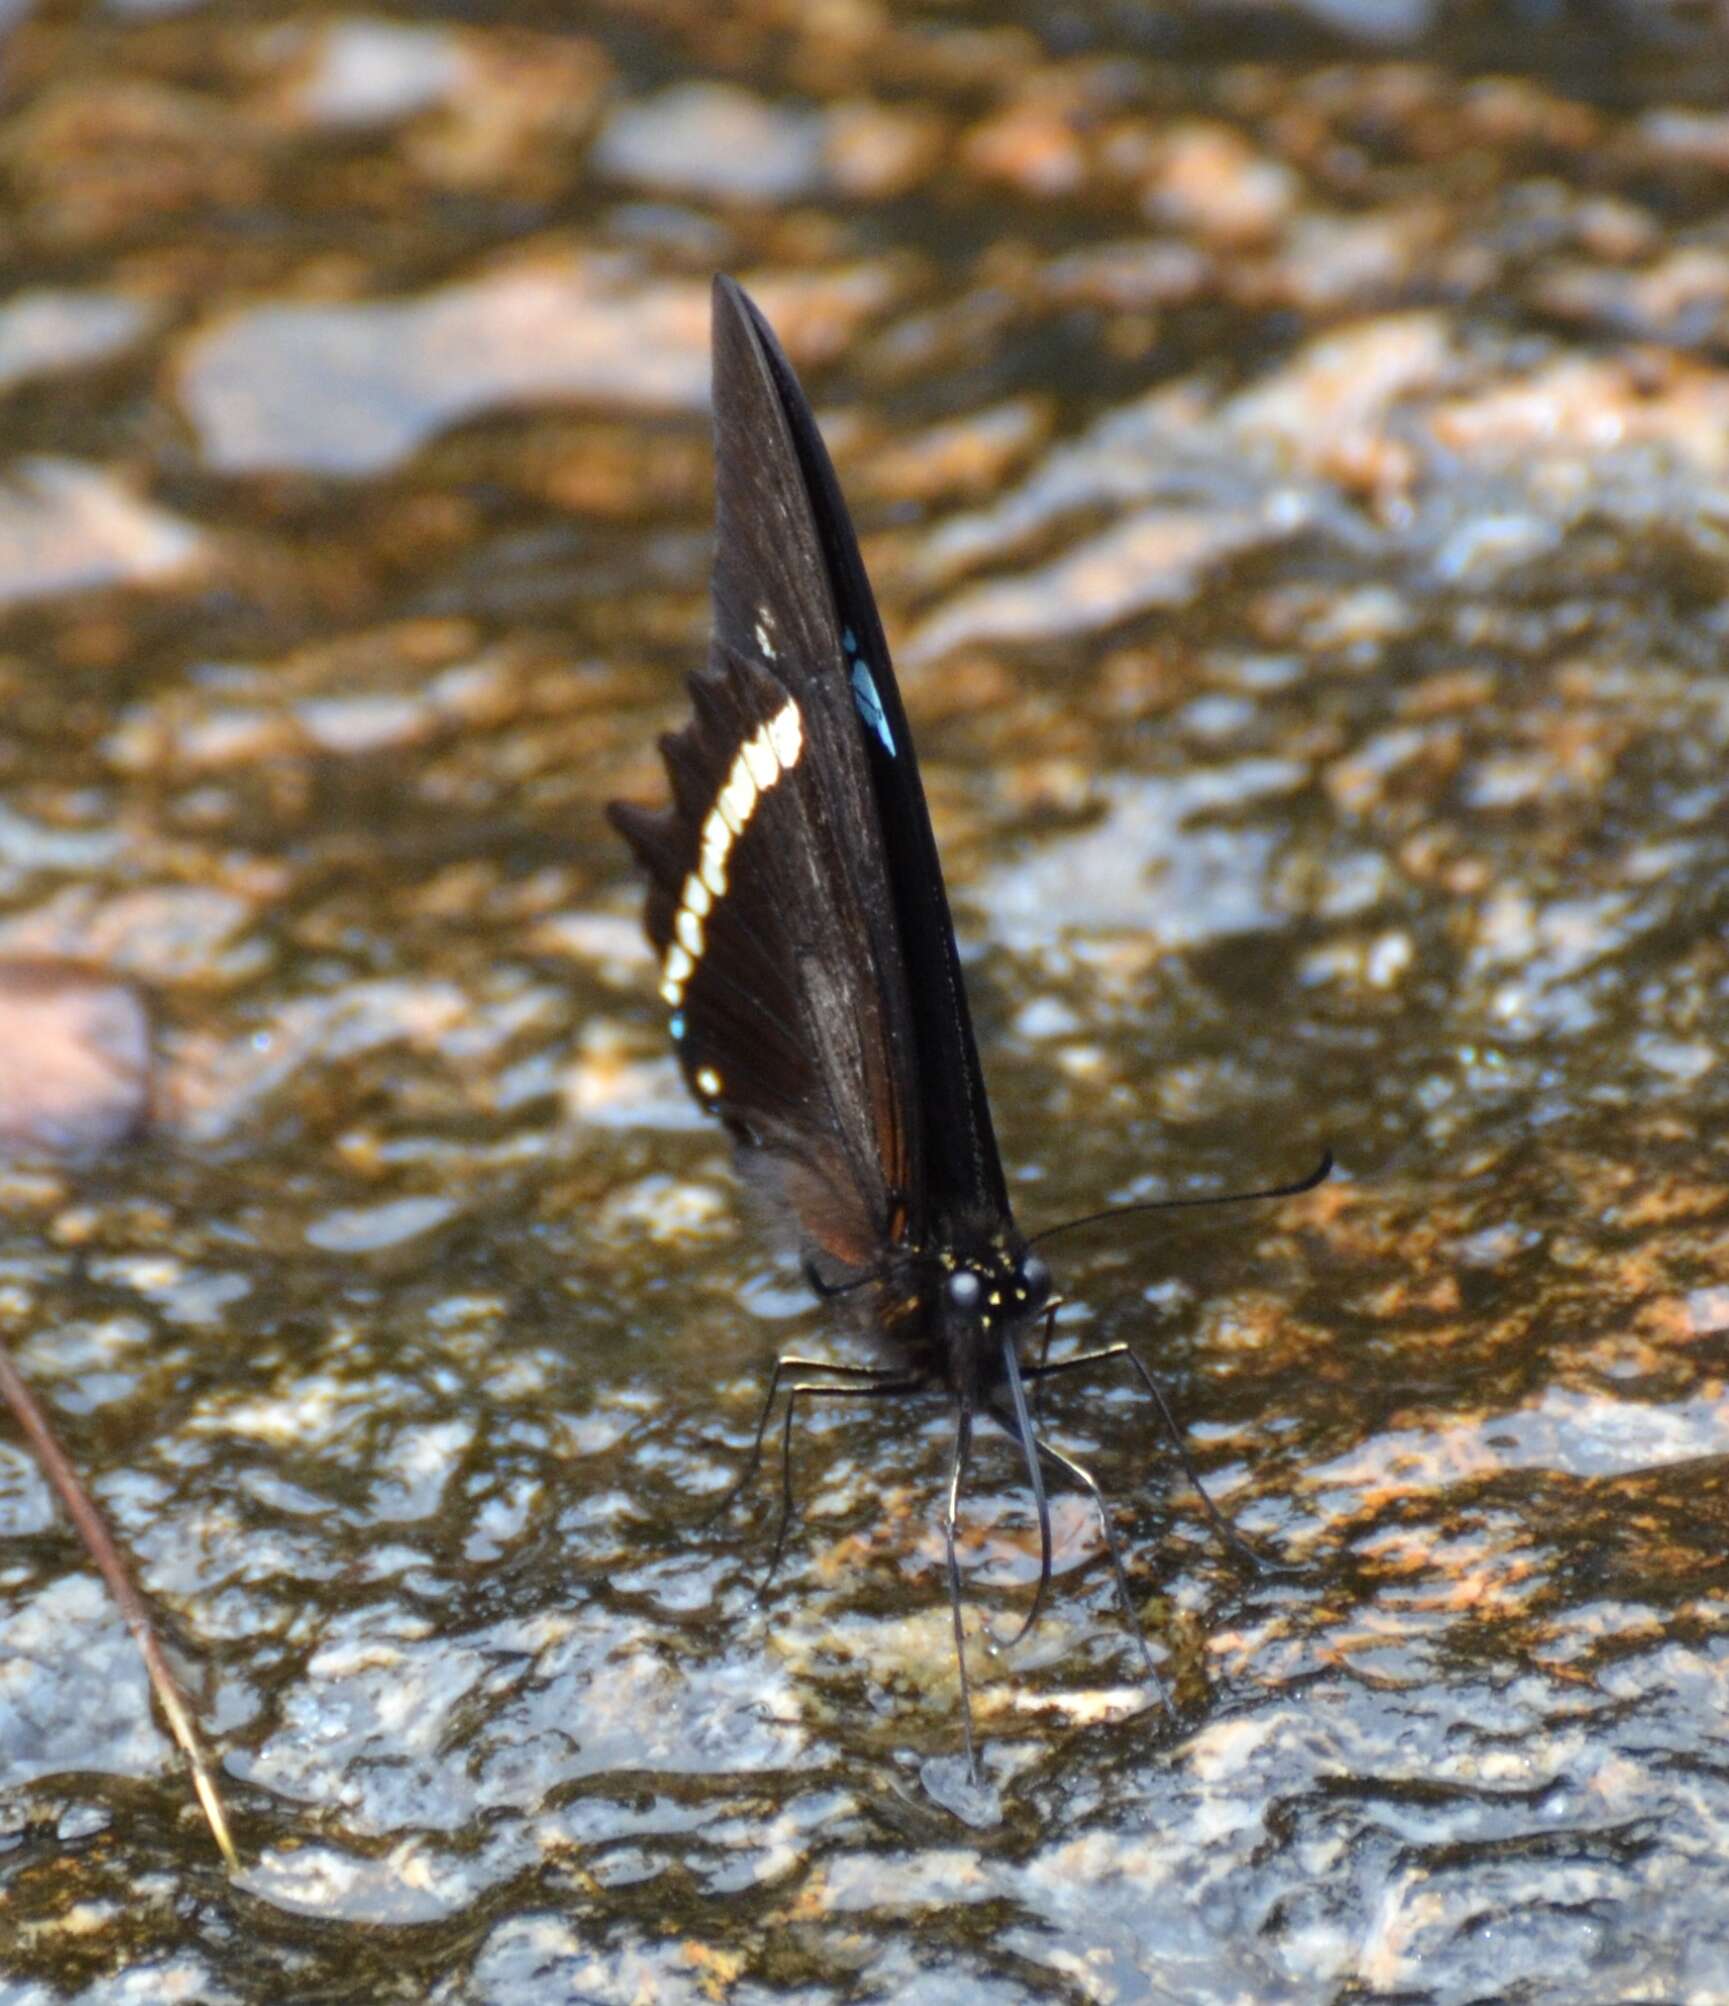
(771, 750)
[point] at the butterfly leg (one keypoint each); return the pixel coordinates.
(957, 1470)
(828, 1291)
(1109, 1354)
(790, 1363)
(880, 1384)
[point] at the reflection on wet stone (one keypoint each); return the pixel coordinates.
(1291, 445)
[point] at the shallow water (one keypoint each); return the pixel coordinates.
(1293, 452)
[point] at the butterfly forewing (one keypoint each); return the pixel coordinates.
(959, 1171)
(770, 904)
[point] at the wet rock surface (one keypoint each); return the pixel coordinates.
(1291, 445)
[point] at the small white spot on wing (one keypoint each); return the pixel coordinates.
(786, 735)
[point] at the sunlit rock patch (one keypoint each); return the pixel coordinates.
(66, 528)
(353, 389)
(47, 331)
(383, 377)
(713, 140)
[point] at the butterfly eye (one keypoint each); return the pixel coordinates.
(1035, 1278)
(965, 1289)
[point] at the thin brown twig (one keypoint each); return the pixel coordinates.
(99, 1544)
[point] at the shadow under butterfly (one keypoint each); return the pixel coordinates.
(808, 962)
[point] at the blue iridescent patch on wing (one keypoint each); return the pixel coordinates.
(870, 706)
(864, 693)
(676, 1027)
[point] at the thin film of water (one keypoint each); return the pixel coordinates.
(1291, 451)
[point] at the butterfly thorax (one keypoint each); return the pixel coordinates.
(948, 1309)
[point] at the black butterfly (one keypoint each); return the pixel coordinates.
(808, 960)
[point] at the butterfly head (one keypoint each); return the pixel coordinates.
(991, 1290)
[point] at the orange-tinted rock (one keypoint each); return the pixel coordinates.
(874, 152)
(1212, 181)
(74, 1060)
(92, 159)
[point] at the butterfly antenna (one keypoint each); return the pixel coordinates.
(1023, 1433)
(1319, 1175)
